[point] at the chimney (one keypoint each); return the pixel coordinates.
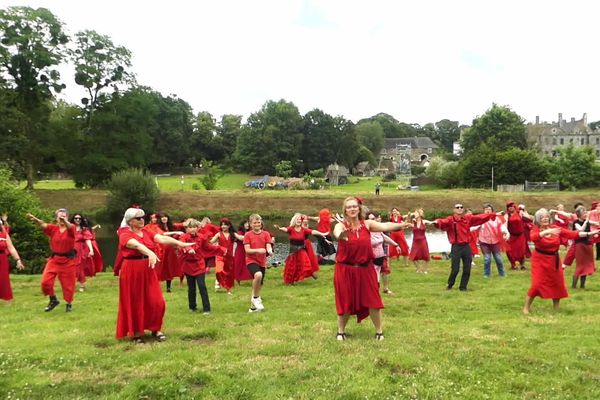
(585, 119)
(560, 121)
(572, 119)
(537, 119)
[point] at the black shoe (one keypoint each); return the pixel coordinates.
(168, 290)
(52, 304)
(463, 289)
(448, 287)
(69, 307)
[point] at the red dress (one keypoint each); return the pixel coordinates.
(240, 272)
(85, 263)
(193, 264)
(98, 259)
(141, 302)
(517, 242)
(585, 263)
(355, 279)
(312, 256)
(224, 264)
(547, 278)
(419, 249)
(62, 263)
(297, 264)
(400, 238)
(5, 288)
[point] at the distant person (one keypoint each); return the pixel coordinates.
(377, 188)
(399, 237)
(168, 268)
(325, 247)
(85, 250)
(492, 236)
(517, 242)
(258, 245)
(584, 249)
(224, 263)
(379, 242)
(419, 250)
(6, 247)
(62, 263)
(240, 272)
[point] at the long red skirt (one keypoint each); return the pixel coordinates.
(356, 290)
(5, 288)
(297, 267)
(98, 259)
(141, 302)
(419, 250)
(400, 238)
(547, 281)
(169, 264)
(224, 271)
(584, 259)
(516, 249)
(312, 256)
(240, 272)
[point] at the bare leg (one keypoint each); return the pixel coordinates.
(416, 264)
(342, 321)
(375, 314)
(425, 266)
(527, 306)
(405, 261)
(386, 283)
(556, 304)
(256, 284)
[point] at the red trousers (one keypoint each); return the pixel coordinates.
(66, 273)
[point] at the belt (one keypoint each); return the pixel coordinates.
(363, 265)
(551, 253)
(2, 251)
(135, 257)
(70, 254)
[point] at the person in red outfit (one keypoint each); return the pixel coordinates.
(298, 264)
(62, 262)
(457, 228)
(325, 247)
(240, 272)
(399, 237)
(517, 242)
(208, 230)
(169, 267)
(419, 250)
(547, 278)
(141, 302)
(98, 259)
(6, 247)
(84, 249)
(258, 245)
(355, 278)
(312, 256)
(584, 249)
(224, 263)
(192, 262)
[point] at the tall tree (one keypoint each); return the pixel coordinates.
(320, 139)
(32, 44)
(99, 65)
(370, 135)
(574, 166)
(225, 140)
(500, 127)
(202, 141)
(446, 133)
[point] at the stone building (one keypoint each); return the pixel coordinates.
(546, 137)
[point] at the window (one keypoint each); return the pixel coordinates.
(562, 141)
(582, 141)
(554, 141)
(429, 150)
(597, 153)
(597, 140)
(571, 140)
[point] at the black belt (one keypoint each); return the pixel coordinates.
(70, 254)
(135, 257)
(551, 253)
(1, 251)
(297, 242)
(363, 265)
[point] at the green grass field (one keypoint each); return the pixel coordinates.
(439, 344)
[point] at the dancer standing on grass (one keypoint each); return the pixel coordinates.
(457, 228)
(379, 240)
(298, 264)
(584, 249)
(492, 236)
(169, 267)
(399, 237)
(258, 246)
(241, 273)
(419, 250)
(325, 247)
(547, 278)
(517, 242)
(224, 263)
(141, 302)
(84, 250)
(6, 247)
(312, 256)
(355, 279)
(560, 215)
(62, 263)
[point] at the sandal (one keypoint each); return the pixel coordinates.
(138, 340)
(379, 336)
(340, 336)
(387, 291)
(159, 336)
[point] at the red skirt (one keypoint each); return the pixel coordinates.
(516, 249)
(240, 272)
(356, 290)
(385, 267)
(5, 288)
(584, 259)
(297, 267)
(98, 259)
(547, 278)
(419, 250)
(224, 271)
(141, 302)
(169, 265)
(400, 238)
(312, 256)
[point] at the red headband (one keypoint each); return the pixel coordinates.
(359, 200)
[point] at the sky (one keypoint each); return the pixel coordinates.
(419, 61)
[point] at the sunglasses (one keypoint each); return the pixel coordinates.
(458, 206)
(77, 218)
(139, 218)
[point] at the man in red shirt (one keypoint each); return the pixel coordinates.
(457, 228)
(62, 262)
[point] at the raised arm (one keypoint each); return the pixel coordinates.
(375, 226)
(36, 220)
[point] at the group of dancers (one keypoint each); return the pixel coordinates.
(153, 249)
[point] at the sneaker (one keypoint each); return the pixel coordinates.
(217, 285)
(206, 313)
(193, 310)
(52, 305)
(69, 307)
(486, 277)
(253, 310)
(82, 288)
(257, 303)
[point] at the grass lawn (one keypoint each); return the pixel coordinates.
(439, 344)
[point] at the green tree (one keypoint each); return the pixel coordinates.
(446, 133)
(131, 186)
(391, 127)
(321, 139)
(574, 167)
(225, 140)
(370, 135)
(283, 169)
(32, 44)
(212, 174)
(500, 127)
(202, 140)
(99, 65)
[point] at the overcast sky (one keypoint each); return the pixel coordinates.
(420, 61)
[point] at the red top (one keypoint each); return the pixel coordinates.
(155, 228)
(551, 243)
(324, 224)
(300, 235)
(209, 230)
(516, 224)
(357, 249)
(82, 235)
(60, 242)
(396, 218)
(257, 241)
(193, 264)
(457, 229)
(3, 244)
(227, 243)
(126, 234)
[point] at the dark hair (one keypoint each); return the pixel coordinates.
(84, 222)
(168, 227)
(577, 205)
(225, 221)
(488, 205)
(241, 227)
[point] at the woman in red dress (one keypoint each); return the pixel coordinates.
(141, 302)
(84, 249)
(298, 264)
(312, 256)
(547, 278)
(240, 272)
(6, 246)
(399, 237)
(224, 264)
(169, 262)
(355, 278)
(585, 265)
(419, 250)
(517, 242)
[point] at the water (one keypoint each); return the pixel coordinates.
(107, 241)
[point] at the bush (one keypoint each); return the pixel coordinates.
(29, 240)
(211, 176)
(389, 177)
(131, 186)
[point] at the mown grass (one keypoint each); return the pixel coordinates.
(439, 344)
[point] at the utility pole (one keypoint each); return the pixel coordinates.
(492, 179)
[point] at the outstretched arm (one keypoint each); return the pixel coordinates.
(36, 220)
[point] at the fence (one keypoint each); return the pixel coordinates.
(510, 188)
(530, 186)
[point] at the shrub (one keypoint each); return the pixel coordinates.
(283, 168)
(29, 240)
(211, 176)
(131, 186)
(389, 177)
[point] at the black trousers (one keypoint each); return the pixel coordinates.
(460, 252)
(199, 280)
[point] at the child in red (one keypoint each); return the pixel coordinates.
(224, 264)
(258, 245)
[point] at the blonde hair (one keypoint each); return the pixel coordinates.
(192, 223)
(419, 212)
(254, 217)
(362, 208)
(295, 219)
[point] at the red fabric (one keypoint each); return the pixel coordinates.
(210, 230)
(400, 238)
(193, 264)
(224, 264)
(312, 256)
(356, 288)
(257, 241)
(61, 242)
(324, 224)
(170, 266)
(85, 263)
(563, 222)
(385, 267)
(457, 228)
(547, 278)
(419, 249)
(517, 242)
(98, 259)
(5, 288)
(570, 256)
(240, 272)
(296, 266)
(473, 242)
(141, 303)
(66, 273)
(119, 257)
(585, 263)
